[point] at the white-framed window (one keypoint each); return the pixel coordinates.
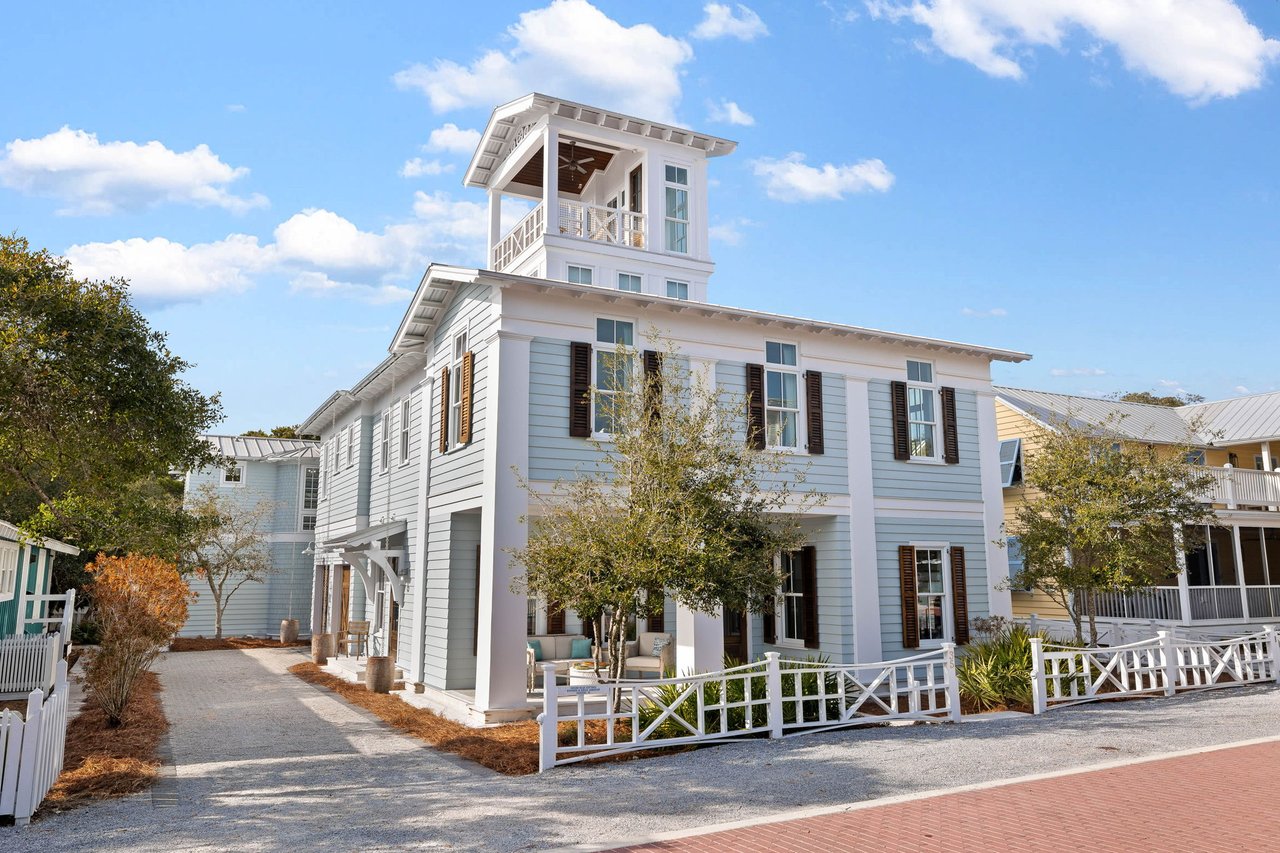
(677, 209)
(1010, 462)
(678, 289)
(612, 370)
(781, 395)
(1013, 548)
(922, 410)
(1194, 457)
(791, 603)
(629, 282)
(8, 570)
(310, 497)
(351, 445)
(384, 445)
(455, 386)
(933, 594)
(580, 275)
(233, 475)
(406, 412)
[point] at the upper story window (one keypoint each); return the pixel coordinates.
(677, 209)
(1010, 462)
(351, 445)
(406, 411)
(310, 497)
(579, 275)
(233, 474)
(384, 446)
(612, 369)
(455, 384)
(678, 289)
(922, 410)
(782, 395)
(629, 282)
(8, 570)
(1194, 457)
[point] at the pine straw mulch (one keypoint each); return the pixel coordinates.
(209, 644)
(511, 749)
(103, 763)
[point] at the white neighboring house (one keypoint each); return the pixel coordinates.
(286, 472)
(490, 370)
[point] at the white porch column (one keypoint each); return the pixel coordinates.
(335, 598)
(1244, 589)
(863, 561)
(1266, 456)
(999, 598)
(500, 653)
(550, 185)
(317, 597)
(495, 224)
(699, 641)
(417, 657)
(1184, 585)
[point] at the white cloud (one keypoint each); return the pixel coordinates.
(1199, 49)
(1240, 389)
(105, 177)
(417, 167)
(235, 108)
(160, 270)
(450, 137)
(790, 179)
(730, 233)
(569, 48)
(730, 113)
(722, 21)
(1077, 371)
(990, 312)
(1169, 383)
(319, 284)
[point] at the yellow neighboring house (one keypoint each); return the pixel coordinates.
(1235, 580)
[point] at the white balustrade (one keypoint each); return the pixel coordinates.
(521, 237)
(602, 224)
(1234, 487)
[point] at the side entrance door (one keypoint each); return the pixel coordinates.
(736, 625)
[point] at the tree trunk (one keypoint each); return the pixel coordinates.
(1093, 617)
(617, 651)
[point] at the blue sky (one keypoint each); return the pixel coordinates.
(1093, 182)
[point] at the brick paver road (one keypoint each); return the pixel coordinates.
(1221, 800)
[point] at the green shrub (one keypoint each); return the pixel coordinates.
(996, 672)
(86, 633)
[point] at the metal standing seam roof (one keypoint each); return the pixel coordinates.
(256, 448)
(1218, 423)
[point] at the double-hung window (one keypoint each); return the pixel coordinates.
(629, 282)
(794, 629)
(384, 445)
(678, 289)
(922, 410)
(456, 398)
(8, 570)
(351, 445)
(233, 474)
(612, 370)
(310, 497)
(931, 594)
(677, 209)
(782, 395)
(579, 275)
(406, 411)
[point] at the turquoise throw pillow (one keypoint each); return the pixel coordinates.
(580, 648)
(536, 645)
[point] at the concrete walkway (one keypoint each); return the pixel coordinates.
(263, 761)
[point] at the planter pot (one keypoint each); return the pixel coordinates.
(319, 649)
(288, 631)
(379, 674)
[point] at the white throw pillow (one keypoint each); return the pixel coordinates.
(659, 643)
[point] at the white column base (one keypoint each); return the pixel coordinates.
(699, 641)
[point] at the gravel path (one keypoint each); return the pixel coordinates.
(267, 762)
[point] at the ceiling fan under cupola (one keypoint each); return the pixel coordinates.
(573, 163)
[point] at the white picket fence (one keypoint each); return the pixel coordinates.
(1159, 666)
(773, 697)
(31, 749)
(28, 662)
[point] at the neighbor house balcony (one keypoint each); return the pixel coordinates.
(1241, 488)
(576, 219)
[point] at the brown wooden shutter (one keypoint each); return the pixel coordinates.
(959, 595)
(901, 436)
(464, 417)
(652, 382)
(769, 620)
(755, 406)
(655, 602)
(444, 409)
(813, 410)
(950, 436)
(555, 618)
(580, 390)
(910, 615)
(809, 582)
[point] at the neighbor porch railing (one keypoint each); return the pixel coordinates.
(773, 698)
(1160, 602)
(1236, 487)
(40, 609)
(28, 662)
(32, 748)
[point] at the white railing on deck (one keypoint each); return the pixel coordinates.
(1162, 665)
(40, 605)
(1244, 487)
(31, 749)
(603, 224)
(1211, 603)
(1156, 603)
(773, 697)
(28, 662)
(526, 232)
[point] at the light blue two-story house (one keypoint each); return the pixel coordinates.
(285, 472)
(490, 371)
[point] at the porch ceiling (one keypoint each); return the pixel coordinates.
(570, 181)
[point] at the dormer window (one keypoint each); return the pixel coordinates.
(677, 209)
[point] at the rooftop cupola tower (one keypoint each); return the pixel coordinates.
(619, 202)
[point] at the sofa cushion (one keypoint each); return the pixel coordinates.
(646, 662)
(536, 645)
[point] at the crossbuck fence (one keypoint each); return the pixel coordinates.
(770, 698)
(1161, 666)
(31, 749)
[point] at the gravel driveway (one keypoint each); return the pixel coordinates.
(263, 761)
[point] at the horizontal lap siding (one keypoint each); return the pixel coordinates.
(435, 610)
(460, 671)
(894, 478)
(347, 494)
(553, 453)
(893, 532)
(472, 310)
(258, 608)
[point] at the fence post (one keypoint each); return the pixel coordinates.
(549, 735)
(68, 618)
(773, 680)
(1169, 658)
(1273, 650)
(1033, 624)
(28, 761)
(951, 680)
(1039, 690)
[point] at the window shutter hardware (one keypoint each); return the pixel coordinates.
(950, 434)
(910, 615)
(580, 390)
(901, 438)
(755, 406)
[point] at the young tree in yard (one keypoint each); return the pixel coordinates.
(227, 547)
(678, 501)
(1101, 515)
(140, 603)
